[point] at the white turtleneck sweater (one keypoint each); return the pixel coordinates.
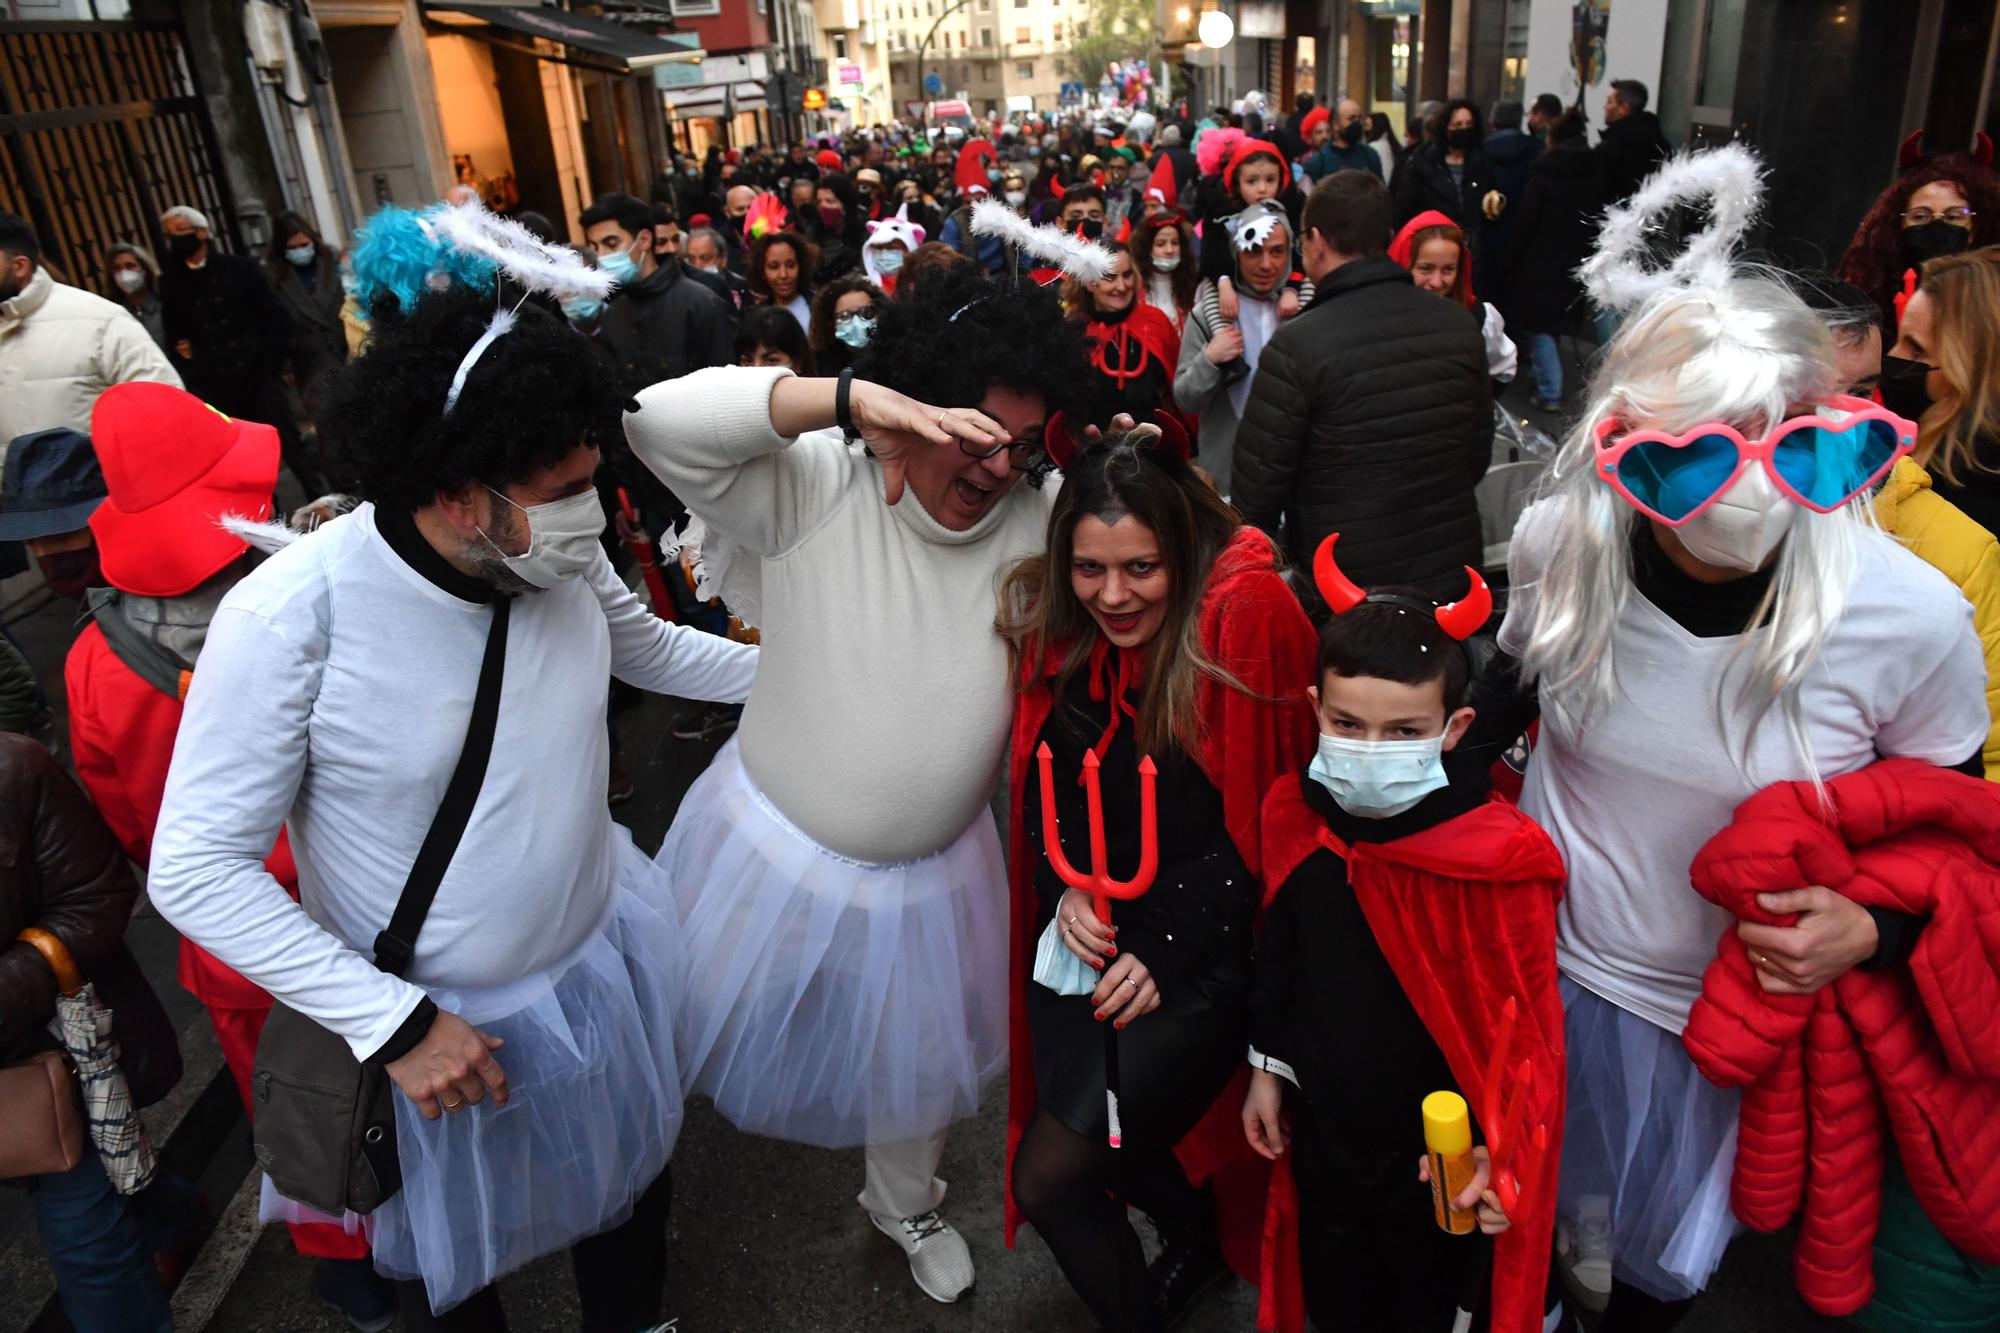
(878, 721)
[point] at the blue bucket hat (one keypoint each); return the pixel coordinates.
(51, 484)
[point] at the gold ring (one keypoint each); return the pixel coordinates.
(1072, 918)
(1760, 960)
(452, 1106)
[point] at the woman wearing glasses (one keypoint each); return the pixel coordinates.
(839, 878)
(1944, 206)
(1697, 614)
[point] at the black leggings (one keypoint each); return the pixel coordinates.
(1063, 1185)
(1633, 1311)
(621, 1278)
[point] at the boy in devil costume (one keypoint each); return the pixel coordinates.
(1410, 908)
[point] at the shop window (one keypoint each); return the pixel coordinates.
(1024, 69)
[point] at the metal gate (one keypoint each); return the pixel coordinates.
(102, 127)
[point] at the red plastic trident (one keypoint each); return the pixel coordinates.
(1503, 1129)
(1099, 884)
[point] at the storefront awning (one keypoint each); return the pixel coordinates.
(710, 99)
(589, 42)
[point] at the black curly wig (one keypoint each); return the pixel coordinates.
(532, 396)
(958, 334)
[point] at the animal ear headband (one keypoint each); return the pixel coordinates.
(1729, 180)
(1460, 619)
(1084, 260)
(533, 264)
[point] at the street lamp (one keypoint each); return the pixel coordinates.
(1216, 29)
(922, 46)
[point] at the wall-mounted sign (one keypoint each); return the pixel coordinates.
(850, 73)
(815, 100)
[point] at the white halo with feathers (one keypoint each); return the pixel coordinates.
(533, 264)
(1730, 180)
(1086, 261)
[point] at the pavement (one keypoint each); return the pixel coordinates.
(765, 1235)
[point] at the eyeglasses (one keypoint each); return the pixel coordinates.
(1819, 462)
(1021, 457)
(1960, 216)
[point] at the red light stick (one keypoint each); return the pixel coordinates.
(649, 568)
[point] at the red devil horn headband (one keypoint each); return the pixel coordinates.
(1460, 619)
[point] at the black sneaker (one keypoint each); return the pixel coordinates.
(707, 721)
(1185, 1271)
(362, 1296)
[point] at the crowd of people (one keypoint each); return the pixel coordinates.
(1079, 534)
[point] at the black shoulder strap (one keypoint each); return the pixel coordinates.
(395, 945)
(147, 659)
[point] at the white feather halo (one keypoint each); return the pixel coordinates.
(1730, 180)
(1085, 260)
(534, 264)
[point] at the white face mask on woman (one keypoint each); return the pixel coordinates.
(562, 539)
(130, 280)
(1744, 525)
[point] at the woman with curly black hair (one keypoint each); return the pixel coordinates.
(339, 684)
(839, 876)
(843, 321)
(780, 270)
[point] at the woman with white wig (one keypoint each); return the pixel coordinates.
(1699, 610)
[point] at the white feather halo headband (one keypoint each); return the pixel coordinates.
(1085, 260)
(1730, 180)
(533, 264)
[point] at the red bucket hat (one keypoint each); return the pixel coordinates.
(174, 466)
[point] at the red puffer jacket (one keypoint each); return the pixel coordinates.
(1910, 1051)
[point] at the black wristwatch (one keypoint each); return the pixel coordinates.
(843, 411)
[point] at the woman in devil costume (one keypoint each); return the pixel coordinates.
(1155, 625)
(1697, 614)
(1134, 348)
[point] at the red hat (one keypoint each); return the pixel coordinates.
(1315, 118)
(827, 158)
(1242, 153)
(174, 466)
(970, 173)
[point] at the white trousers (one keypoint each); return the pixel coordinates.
(901, 1177)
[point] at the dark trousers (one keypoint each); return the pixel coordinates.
(621, 1278)
(1372, 1255)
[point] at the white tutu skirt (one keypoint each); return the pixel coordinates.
(594, 1107)
(1646, 1131)
(830, 1001)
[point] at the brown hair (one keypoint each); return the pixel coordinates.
(1125, 474)
(1964, 291)
(823, 320)
(925, 260)
(1351, 212)
(1461, 281)
(1187, 276)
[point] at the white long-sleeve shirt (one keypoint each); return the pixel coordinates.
(879, 721)
(333, 696)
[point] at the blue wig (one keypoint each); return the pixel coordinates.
(397, 253)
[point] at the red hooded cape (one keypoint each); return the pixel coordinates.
(1400, 248)
(1252, 627)
(1466, 915)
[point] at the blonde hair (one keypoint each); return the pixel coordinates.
(1964, 291)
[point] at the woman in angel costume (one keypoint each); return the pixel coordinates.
(1699, 611)
(837, 866)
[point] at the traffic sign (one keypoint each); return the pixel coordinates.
(933, 84)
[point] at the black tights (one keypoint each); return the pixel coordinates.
(1063, 1184)
(1633, 1311)
(621, 1278)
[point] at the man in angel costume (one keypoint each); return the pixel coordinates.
(1700, 611)
(529, 1035)
(837, 866)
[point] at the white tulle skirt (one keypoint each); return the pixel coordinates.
(1646, 1131)
(831, 1001)
(593, 1110)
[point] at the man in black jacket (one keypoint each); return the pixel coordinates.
(1371, 414)
(1631, 145)
(660, 324)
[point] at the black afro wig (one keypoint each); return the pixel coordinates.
(958, 334)
(535, 394)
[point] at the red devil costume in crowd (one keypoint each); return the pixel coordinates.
(1389, 957)
(1209, 853)
(1904, 1059)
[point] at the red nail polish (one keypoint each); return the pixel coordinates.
(1098, 1016)
(1111, 950)
(1120, 1025)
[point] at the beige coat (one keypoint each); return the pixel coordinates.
(60, 347)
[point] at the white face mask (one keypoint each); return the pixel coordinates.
(1378, 779)
(1743, 527)
(1167, 265)
(129, 280)
(1015, 198)
(562, 539)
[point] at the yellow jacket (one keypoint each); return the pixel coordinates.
(1938, 531)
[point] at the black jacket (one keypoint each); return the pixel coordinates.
(62, 870)
(733, 290)
(1627, 152)
(665, 325)
(1424, 181)
(238, 333)
(1371, 416)
(319, 339)
(1554, 226)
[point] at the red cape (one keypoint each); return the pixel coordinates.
(1251, 626)
(1466, 915)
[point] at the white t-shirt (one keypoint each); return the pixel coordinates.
(1632, 797)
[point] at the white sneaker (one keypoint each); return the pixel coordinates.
(939, 1261)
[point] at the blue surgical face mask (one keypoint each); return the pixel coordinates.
(1378, 779)
(621, 266)
(582, 309)
(300, 255)
(855, 330)
(888, 258)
